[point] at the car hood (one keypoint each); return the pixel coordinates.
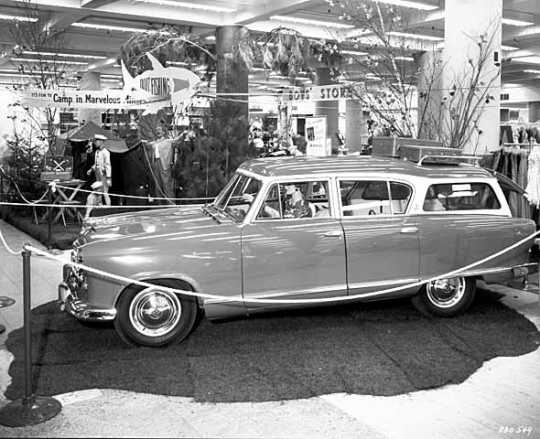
(151, 225)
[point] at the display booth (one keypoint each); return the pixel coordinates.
(130, 169)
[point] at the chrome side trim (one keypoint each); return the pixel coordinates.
(82, 310)
(272, 294)
(384, 283)
(496, 270)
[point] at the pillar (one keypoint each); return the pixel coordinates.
(355, 126)
(327, 108)
(465, 21)
(534, 111)
(90, 81)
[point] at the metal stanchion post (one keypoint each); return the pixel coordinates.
(49, 217)
(30, 409)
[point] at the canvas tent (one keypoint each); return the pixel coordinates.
(130, 170)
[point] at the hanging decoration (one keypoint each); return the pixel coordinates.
(286, 51)
(175, 86)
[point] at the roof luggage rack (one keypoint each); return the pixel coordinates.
(454, 159)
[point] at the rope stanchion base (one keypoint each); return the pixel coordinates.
(29, 411)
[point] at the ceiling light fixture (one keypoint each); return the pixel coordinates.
(404, 58)
(509, 48)
(409, 4)
(70, 55)
(298, 20)
(354, 52)
(528, 59)
(18, 18)
(8, 72)
(533, 71)
(111, 27)
(54, 61)
(415, 36)
(519, 23)
(176, 4)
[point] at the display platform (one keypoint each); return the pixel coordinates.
(375, 349)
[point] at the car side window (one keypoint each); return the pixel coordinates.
(400, 195)
(296, 200)
(460, 196)
(374, 197)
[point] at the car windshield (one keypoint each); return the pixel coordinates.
(238, 195)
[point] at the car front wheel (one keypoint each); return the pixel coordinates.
(446, 297)
(155, 316)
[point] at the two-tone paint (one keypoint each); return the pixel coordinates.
(305, 257)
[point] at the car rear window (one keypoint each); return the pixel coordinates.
(373, 197)
(460, 196)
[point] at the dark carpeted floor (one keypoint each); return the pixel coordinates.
(377, 349)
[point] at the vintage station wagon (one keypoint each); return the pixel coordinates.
(285, 229)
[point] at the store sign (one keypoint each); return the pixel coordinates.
(316, 136)
(57, 167)
(320, 93)
(150, 91)
(104, 99)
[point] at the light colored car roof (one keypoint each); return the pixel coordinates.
(291, 166)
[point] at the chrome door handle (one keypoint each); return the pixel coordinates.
(409, 230)
(333, 234)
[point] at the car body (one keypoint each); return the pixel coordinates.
(286, 229)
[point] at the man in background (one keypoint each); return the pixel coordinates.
(102, 167)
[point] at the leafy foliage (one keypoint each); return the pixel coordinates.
(206, 160)
(26, 150)
(286, 51)
(170, 43)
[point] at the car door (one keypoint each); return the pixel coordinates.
(382, 242)
(290, 251)
(471, 222)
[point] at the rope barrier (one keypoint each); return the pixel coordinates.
(129, 281)
(139, 197)
(17, 188)
(99, 206)
(7, 247)
(55, 183)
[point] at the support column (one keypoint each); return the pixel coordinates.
(355, 126)
(232, 77)
(534, 111)
(90, 81)
(465, 21)
(327, 108)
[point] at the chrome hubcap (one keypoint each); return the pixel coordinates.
(154, 312)
(445, 293)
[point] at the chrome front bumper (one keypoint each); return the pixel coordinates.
(82, 310)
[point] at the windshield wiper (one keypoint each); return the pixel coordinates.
(206, 210)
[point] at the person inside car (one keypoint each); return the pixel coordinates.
(295, 204)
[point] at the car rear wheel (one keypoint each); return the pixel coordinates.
(154, 316)
(446, 297)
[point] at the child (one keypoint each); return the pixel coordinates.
(94, 198)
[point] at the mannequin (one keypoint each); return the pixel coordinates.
(533, 176)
